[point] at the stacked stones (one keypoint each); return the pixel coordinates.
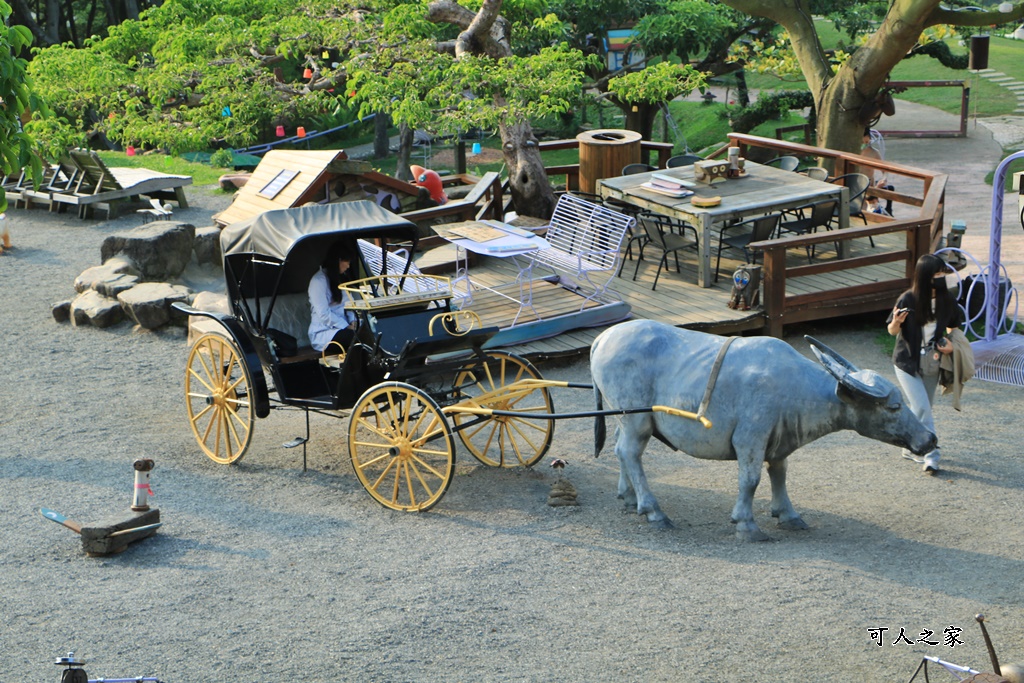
(134, 279)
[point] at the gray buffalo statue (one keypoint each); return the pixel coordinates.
(766, 401)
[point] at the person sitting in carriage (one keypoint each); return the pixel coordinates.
(329, 320)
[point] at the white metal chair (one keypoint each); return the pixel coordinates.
(585, 240)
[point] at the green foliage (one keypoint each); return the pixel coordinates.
(939, 50)
(655, 84)
(857, 18)
(770, 106)
(18, 100)
(684, 28)
(192, 72)
(222, 158)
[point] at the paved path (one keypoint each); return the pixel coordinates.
(967, 161)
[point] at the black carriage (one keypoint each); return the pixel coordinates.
(416, 359)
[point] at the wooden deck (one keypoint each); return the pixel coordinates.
(678, 300)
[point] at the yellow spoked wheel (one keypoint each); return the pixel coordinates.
(217, 397)
(502, 440)
(401, 446)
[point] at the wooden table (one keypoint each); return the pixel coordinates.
(764, 190)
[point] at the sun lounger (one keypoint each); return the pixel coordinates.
(98, 185)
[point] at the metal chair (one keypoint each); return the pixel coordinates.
(821, 214)
(816, 173)
(633, 169)
(785, 163)
(858, 184)
(659, 233)
(751, 230)
(683, 160)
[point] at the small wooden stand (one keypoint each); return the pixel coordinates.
(113, 534)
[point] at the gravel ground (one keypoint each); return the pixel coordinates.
(263, 572)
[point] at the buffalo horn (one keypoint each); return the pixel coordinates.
(857, 381)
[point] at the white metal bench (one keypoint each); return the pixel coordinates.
(586, 240)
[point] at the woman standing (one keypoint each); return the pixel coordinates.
(919, 321)
(329, 321)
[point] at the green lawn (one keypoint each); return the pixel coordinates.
(202, 174)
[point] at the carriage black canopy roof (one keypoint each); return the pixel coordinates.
(302, 236)
(284, 233)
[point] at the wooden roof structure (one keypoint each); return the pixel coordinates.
(286, 179)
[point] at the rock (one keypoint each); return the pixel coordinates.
(92, 308)
(61, 311)
(112, 270)
(207, 245)
(149, 303)
(115, 286)
(160, 249)
(199, 325)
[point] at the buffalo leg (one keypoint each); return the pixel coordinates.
(743, 512)
(629, 448)
(782, 507)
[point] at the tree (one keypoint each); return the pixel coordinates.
(18, 102)
(845, 94)
(192, 74)
(446, 68)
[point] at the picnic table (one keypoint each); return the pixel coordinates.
(763, 189)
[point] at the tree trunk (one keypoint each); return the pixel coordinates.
(405, 136)
(839, 126)
(381, 141)
(528, 182)
(640, 119)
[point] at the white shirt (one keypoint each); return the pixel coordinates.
(327, 317)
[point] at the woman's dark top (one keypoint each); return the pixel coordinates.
(907, 354)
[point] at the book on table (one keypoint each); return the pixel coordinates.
(671, 183)
(668, 191)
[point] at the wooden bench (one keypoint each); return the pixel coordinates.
(586, 240)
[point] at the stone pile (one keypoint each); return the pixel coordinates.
(134, 280)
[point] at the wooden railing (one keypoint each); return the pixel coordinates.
(827, 301)
(484, 200)
(572, 171)
(908, 178)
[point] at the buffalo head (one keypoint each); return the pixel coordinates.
(880, 411)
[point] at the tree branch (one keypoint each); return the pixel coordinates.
(943, 15)
(485, 32)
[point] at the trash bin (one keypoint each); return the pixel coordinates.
(603, 153)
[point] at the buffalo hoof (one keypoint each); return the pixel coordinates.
(663, 523)
(795, 524)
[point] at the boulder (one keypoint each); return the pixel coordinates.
(149, 303)
(161, 249)
(61, 311)
(92, 308)
(103, 278)
(207, 245)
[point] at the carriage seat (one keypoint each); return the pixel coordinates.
(291, 315)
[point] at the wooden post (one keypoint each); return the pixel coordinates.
(774, 302)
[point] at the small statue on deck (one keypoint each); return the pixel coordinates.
(746, 287)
